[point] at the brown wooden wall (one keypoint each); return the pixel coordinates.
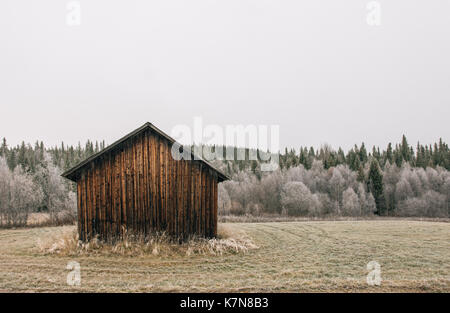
(140, 188)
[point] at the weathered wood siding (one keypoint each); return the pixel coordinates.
(139, 188)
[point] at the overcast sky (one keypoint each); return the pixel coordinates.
(315, 68)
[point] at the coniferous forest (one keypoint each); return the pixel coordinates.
(400, 180)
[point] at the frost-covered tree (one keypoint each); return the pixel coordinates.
(19, 195)
(224, 201)
(56, 197)
(350, 203)
(297, 200)
(366, 201)
(431, 204)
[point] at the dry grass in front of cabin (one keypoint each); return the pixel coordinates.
(320, 256)
(66, 243)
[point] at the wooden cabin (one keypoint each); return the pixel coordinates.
(136, 186)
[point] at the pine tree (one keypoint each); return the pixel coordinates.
(41, 151)
(363, 154)
(4, 148)
(361, 176)
(375, 186)
(340, 157)
(12, 162)
(405, 151)
(21, 157)
(389, 154)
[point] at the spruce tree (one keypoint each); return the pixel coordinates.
(11, 160)
(4, 148)
(375, 186)
(361, 176)
(389, 154)
(404, 148)
(363, 154)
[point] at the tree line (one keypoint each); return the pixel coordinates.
(398, 181)
(30, 181)
(433, 155)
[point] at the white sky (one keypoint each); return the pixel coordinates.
(316, 68)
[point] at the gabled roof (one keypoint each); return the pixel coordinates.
(72, 173)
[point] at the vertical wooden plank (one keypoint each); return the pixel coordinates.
(193, 193)
(211, 203)
(79, 210)
(119, 190)
(95, 198)
(96, 183)
(98, 193)
(146, 189)
(153, 179)
(207, 206)
(103, 199)
(169, 191)
(186, 181)
(175, 198)
(123, 187)
(158, 183)
(108, 210)
(117, 205)
(84, 199)
(207, 209)
(179, 198)
(132, 197)
(138, 184)
(141, 184)
(215, 205)
(182, 198)
(89, 203)
(166, 183)
(202, 214)
(134, 213)
(184, 201)
(138, 181)
(149, 181)
(161, 182)
(128, 190)
(173, 191)
(205, 203)
(191, 198)
(92, 195)
(88, 206)
(196, 192)
(197, 197)
(107, 195)
(135, 184)
(113, 197)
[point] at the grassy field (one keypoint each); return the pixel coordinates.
(292, 257)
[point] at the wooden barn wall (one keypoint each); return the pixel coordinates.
(139, 188)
